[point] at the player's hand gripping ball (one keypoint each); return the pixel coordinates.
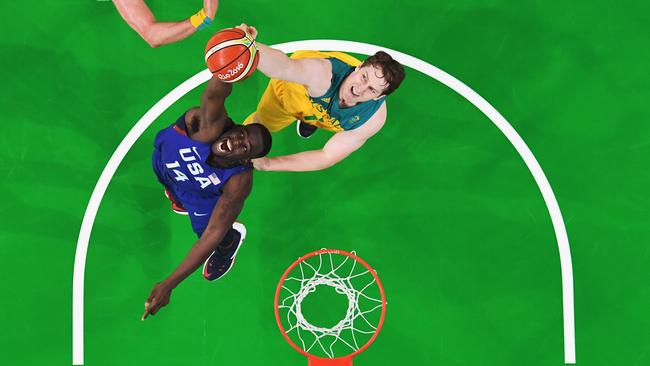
(231, 55)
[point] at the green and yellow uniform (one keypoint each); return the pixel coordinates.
(284, 102)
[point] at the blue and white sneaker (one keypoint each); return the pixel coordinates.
(217, 265)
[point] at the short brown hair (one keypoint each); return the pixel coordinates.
(393, 71)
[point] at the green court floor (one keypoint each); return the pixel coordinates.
(439, 202)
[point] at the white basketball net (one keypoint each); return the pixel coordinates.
(355, 328)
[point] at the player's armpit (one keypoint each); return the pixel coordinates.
(374, 124)
(314, 73)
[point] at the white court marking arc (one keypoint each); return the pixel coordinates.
(343, 46)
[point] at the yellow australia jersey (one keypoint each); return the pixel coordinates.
(324, 111)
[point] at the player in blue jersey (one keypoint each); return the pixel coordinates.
(204, 162)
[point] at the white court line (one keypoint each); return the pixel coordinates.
(344, 46)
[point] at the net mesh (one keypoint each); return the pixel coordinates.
(347, 278)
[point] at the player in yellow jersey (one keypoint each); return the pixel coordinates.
(327, 90)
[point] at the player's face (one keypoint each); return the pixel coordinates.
(363, 84)
(237, 146)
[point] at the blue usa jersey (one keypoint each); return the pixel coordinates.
(179, 164)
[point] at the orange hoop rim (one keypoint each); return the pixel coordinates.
(312, 358)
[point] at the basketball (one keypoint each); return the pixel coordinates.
(231, 55)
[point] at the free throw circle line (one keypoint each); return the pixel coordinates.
(343, 46)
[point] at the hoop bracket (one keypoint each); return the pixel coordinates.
(339, 361)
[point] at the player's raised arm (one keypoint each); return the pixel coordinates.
(138, 15)
(314, 73)
(213, 100)
(230, 204)
(337, 148)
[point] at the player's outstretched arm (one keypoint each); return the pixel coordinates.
(337, 148)
(138, 15)
(314, 73)
(213, 100)
(223, 215)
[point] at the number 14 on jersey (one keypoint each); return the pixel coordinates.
(194, 168)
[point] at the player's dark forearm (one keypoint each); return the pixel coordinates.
(200, 251)
(217, 89)
(224, 214)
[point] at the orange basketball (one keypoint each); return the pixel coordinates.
(231, 55)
